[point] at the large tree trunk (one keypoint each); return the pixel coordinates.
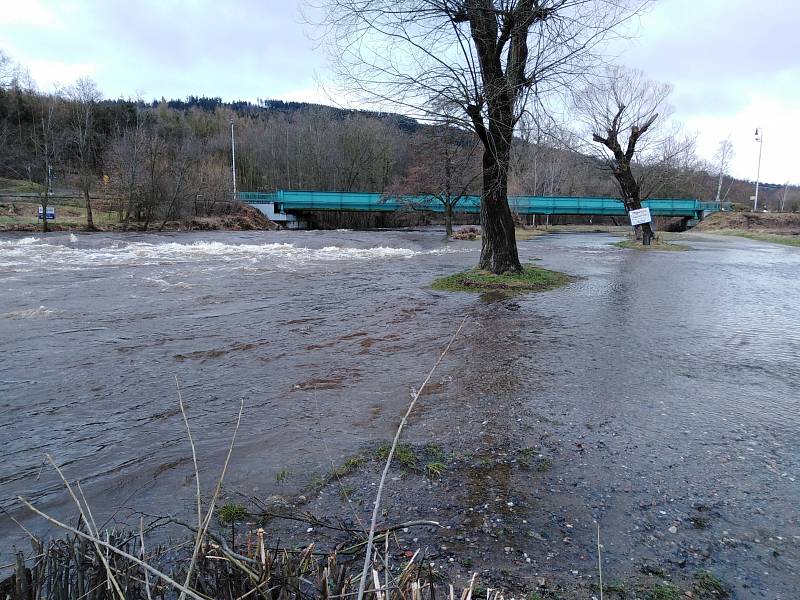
(499, 244)
(632, 200)
(448, 218)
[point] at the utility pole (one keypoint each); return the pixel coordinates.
(233, 162)
(760, 140)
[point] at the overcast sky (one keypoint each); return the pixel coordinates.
(735, 64)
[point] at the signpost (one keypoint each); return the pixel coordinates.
(50, 213)
(640, 216)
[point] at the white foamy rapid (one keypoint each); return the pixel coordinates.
(29, 313)
(166, 285)
(28, 253)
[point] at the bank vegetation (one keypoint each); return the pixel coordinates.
(145, 164)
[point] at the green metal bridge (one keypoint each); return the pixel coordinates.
(283, 204)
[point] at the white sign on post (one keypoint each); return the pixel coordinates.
(640, 216)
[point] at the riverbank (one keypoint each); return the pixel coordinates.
(473, 232)
(776, 228)
(787, 239)
(22, 216)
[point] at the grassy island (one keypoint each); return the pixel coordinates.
(532, 279)
(655, 245)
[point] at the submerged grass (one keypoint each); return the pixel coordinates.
(655, 245)
(532, 279)
(708, 586)
(665, 591)
(472, 232)
(435, 469)
(230, 513)
(404, 454)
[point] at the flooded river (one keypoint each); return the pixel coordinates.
(662, 387)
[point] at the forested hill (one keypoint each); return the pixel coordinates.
(245, 107)
(172, 158)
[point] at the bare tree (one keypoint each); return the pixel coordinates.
(784, 194)
(444, 168)
(626, 116)
(47, 141)
(123, 163)
(178, 185)
(8, 70)
(487, 59)
(363, 156)
(723, 158)
(83, 97)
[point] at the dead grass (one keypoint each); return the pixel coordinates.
(773, 223)
(19, 186)
(23, 215)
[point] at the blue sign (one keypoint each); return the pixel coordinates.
(51, 213)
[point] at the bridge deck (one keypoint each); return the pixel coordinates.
(298, 201)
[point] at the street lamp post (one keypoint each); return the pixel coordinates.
(760, 140)
(233, 162)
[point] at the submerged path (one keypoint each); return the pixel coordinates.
(661, 388)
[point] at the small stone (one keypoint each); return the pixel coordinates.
(673, 529)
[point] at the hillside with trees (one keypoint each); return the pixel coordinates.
(169, 160)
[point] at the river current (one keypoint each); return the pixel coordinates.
(692, 357)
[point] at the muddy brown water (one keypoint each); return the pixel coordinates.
(662, 388)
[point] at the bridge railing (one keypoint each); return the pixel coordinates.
(295, 200)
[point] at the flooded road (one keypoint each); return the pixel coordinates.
(661, 387)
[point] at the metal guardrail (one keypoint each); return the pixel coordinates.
(291, 201)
